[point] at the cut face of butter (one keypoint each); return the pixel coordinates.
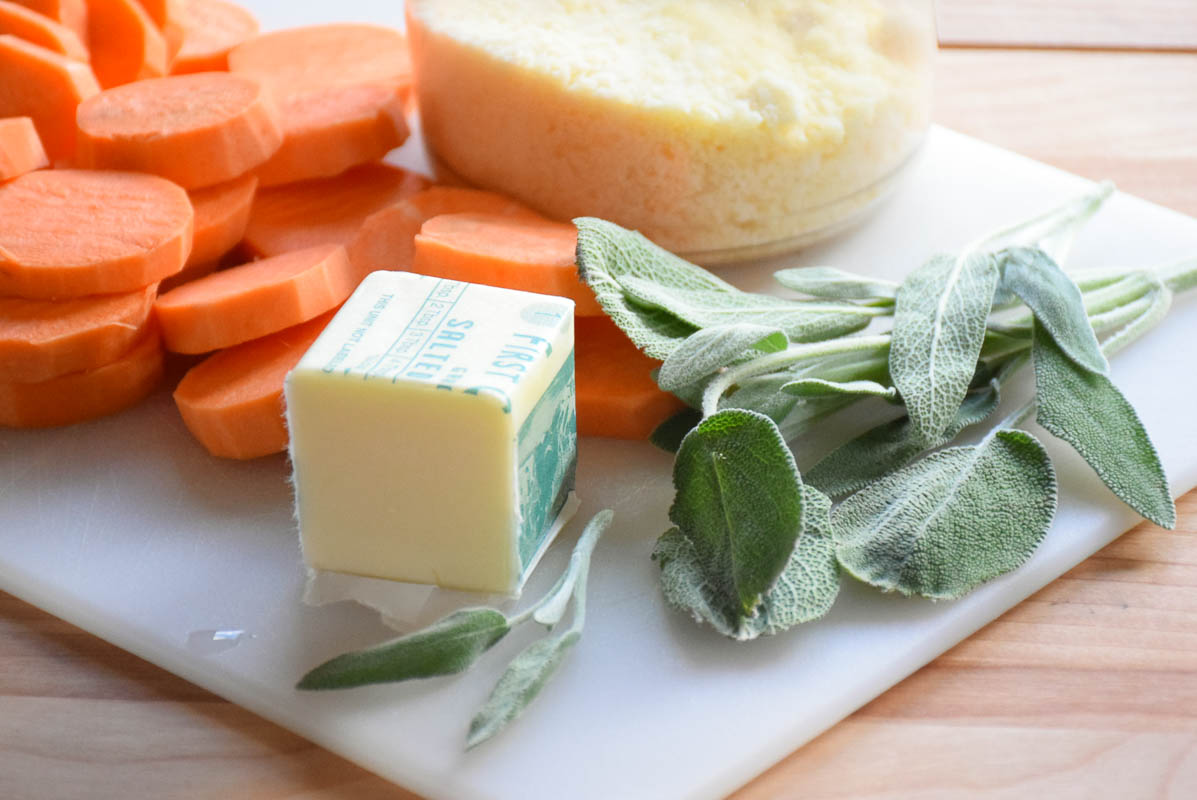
(433, 432)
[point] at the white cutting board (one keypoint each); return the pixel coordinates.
(128, 529)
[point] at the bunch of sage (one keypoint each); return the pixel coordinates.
(453, 644)
(756, 546)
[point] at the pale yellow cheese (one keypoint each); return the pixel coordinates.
(433, 432)
(706, 124)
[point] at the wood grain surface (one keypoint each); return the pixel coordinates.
(1107, 24)
(1129, 117)
(1086, 690)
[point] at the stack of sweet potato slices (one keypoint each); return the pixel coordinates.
(172, 181)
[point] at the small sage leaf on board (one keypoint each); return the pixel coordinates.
(453, 643)
(528, 672)
(1088, 411)
(949, 522)
(939, 326)
(817, 387)
(871, 455)
(739, 504)
(669, 434)
(551, 607)
(706, 351)
(606, 253)
(892, 445)
(525, 676)
(831, 282)
(802, 320)
(1056, 303)
(805, 590)
(658, 299)
(446, 647)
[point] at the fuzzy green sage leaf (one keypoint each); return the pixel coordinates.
(607, 253)
(810, 582)
(551, 608)
(944, 525)
(522, 681)
(739, 504)
(448, 646)
(804, 591)
(657, 298)
(708, 350)
(939, 326)
(834, 283)
(669, 434)
(528, 672)
(1088, 411)
(818, 387)
(705, 307)
(1056, 303)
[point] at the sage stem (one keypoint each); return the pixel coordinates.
(1181, 276)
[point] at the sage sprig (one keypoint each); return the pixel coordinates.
(659, 299)
(454, 643)
(756, 546)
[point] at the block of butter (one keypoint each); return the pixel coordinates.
(433, 433)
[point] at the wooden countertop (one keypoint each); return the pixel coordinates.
(1086, 690)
